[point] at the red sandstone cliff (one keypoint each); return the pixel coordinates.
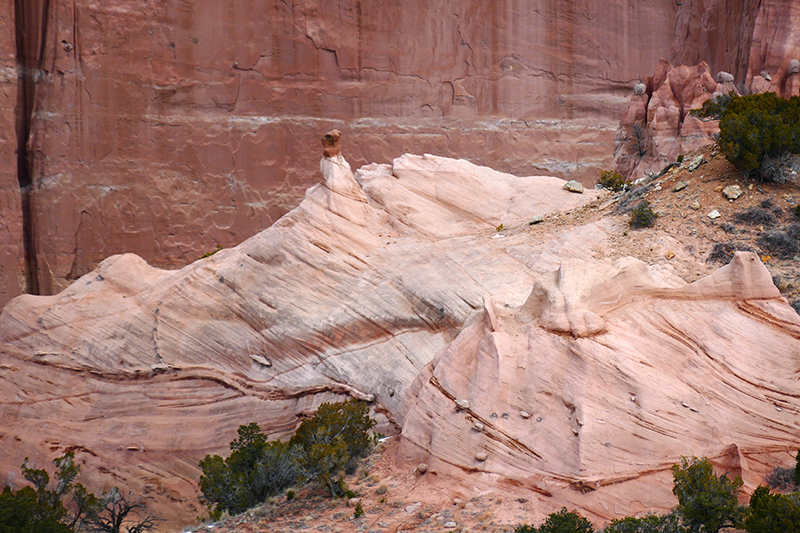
(170, 128)
(12, 264)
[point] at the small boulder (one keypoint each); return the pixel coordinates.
(525, 414)
(680, 186)
(732, 192)
(794, 66)
(352, 502)
(639, 89)
(696, 205)
(422, 468)
(573, 186)
(413, 508)
(450, 525)
(462, 405)
(481, 456)
(696, 162)
(478, 426)
(724, 77)
(714, 214)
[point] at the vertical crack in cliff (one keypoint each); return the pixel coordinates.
(30, 26)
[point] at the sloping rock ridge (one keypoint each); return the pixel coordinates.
(144, 371)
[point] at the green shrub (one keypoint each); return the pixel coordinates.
(756, 132)
(67, 506)
(669, 523)
(336, 435)
(256, 469)
(561, 522)
(772, 513)
(612, 180)
(212, 252)
(706, 502)
(23, 512)
(290, 495)
(359, 511)
(643, 215)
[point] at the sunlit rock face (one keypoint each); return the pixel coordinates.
(588, 392)
(349, 295)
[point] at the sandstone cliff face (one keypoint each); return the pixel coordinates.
(12, 251)
(169, 128)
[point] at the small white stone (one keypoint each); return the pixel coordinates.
(481, 456)
(478, 426)
(714, 214)
(422, 468)
(462, 404)
(525, 414)
(450, 525)
(724, 77)
(573, 186)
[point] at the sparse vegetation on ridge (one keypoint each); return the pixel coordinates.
(643, 215)
(613, 180)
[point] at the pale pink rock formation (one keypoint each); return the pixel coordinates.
(144, 371)
(623, 372)
(578, 381)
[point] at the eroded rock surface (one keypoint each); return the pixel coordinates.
(622, 370)
(657, 127)
(350, 294)
(719, 47)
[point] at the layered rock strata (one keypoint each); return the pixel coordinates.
(604, 378)
(350, 294)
